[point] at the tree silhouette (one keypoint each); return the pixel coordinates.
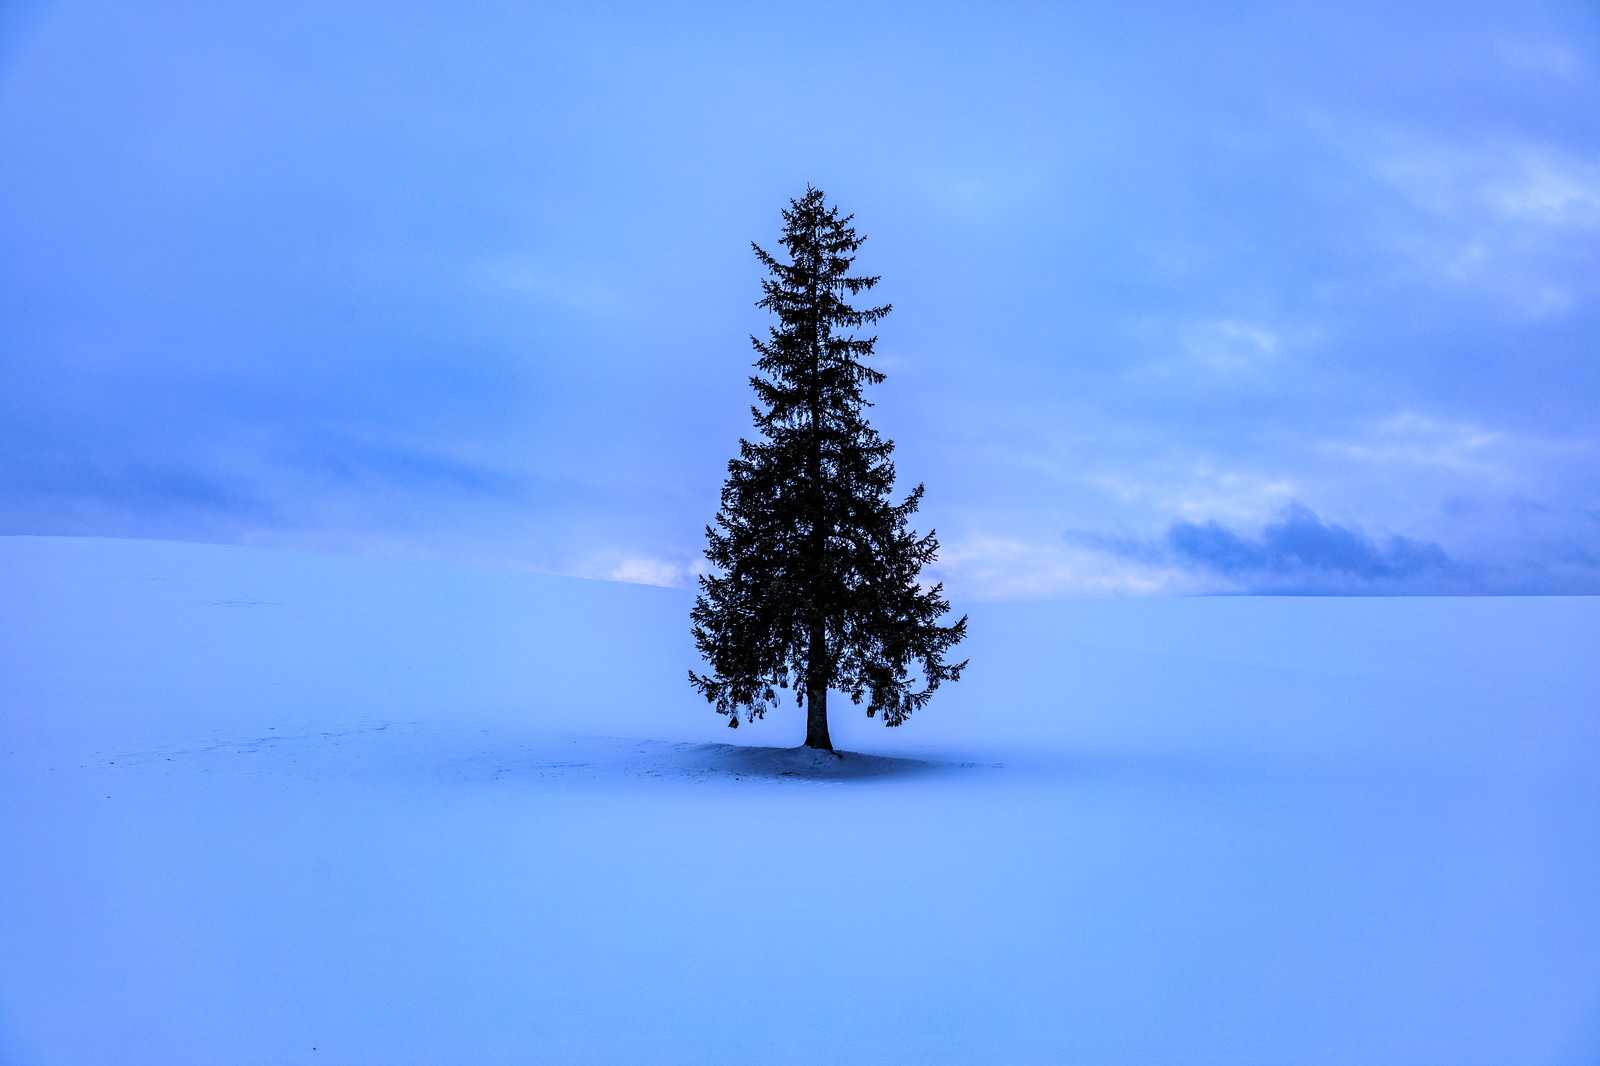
(816, 581)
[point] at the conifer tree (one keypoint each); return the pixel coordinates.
(816, 569)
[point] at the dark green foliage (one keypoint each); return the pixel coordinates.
(817, 570)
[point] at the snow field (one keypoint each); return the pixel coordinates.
(257, 803)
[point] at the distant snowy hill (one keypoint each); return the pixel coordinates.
(266, 807)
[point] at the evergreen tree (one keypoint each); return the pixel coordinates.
(816, 582)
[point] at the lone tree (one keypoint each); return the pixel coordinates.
(817, 571)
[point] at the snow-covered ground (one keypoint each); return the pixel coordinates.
(264, 807)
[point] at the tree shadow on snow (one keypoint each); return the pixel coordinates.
(580, 758)
(798, 763)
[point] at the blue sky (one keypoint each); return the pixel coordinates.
(1188, 297)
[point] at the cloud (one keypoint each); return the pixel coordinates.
(1229, 346)
(1523, 182)
(52, 493)
(1301, 549)
(588, 294)
(498, 314)
(648, 570)
(396, 465)
(983, 567)
(1211, 352)
(1514, 219)
(1416, 440)
(1300, 553)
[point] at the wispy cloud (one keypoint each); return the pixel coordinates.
(647, 570)
(1226, 345)
(992, 567)
(579, 292)
(1196, 488)
(1410, 439)
(1213, 350)
(1515, 220)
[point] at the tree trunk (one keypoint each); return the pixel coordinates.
(817, 690)
(817, 654)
